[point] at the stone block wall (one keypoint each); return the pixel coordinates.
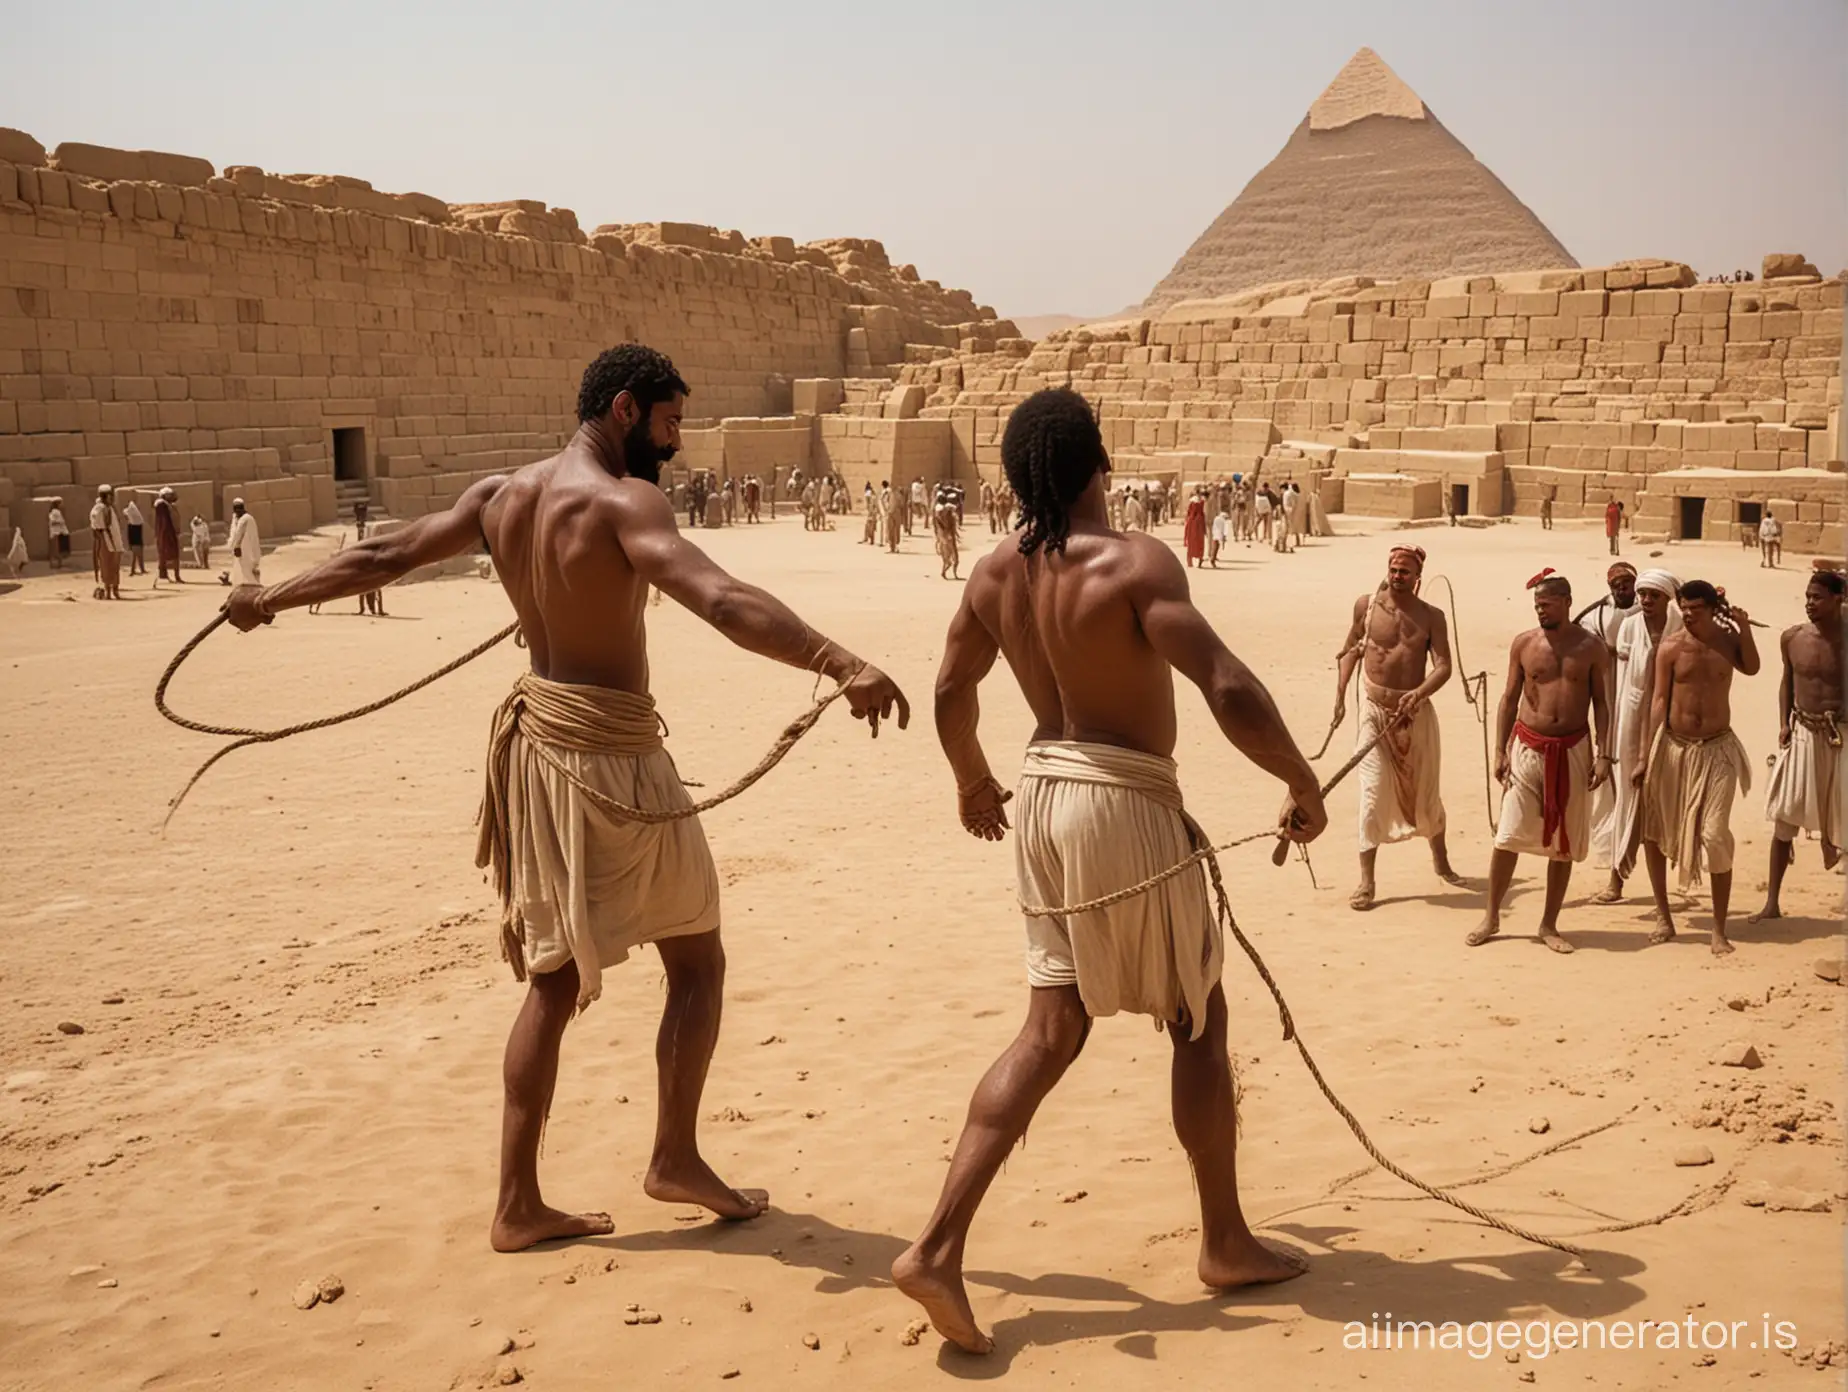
(1587, 382)
(158, 320)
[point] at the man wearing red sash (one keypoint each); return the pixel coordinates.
(1557, 690)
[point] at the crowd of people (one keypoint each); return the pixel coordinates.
(1613, 736)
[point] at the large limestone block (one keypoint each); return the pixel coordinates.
(904, 402)
(1787, 263)
(16, 147)
(817, 396)
(103, 162)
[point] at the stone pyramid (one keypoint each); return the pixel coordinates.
(1369, 184)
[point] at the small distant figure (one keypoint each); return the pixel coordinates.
(16, 556)
(57, 537)
(372, 601)
(915, 513)
(869, 507)
(824, 505)
(137, 540)
(246, 548)
(890, 510)
(1193, 529)
(1770, 541)
(1546, 509)
(166, 537)
(1222, 528)
(753, 494)
(988, 507)
(811, 513)
(1613, 523)
(945, 525)
(106, 544)
(201, 543)
(1263, 512)
(1135, 511)
(1283, 517)
(729, 497)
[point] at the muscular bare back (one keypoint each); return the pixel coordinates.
(555, 531)
(1069, 627)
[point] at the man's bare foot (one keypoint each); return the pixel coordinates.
(1719, 946)
(515, 1232)
(1769, 911)
(1830, 855)
(693, 1182)
(1612, 893)
(1485, 930)
(1254, 1264)
(938, 1287)
(1550, 936)
(1448, 875)
(1361, 899)
(1664, 931)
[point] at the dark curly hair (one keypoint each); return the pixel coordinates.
(1050, 452)
(646, 375)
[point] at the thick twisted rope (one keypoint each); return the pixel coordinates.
(785, 742)
(246, 737)
(1209, 855)
(1476, 692)
(792, 733)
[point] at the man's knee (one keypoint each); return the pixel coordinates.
(1058, 1023)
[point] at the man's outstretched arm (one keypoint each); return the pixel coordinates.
(1239, 702)
(754, 619)
(373, 563)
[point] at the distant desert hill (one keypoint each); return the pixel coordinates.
(1369, 184)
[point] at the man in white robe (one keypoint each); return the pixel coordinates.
(1654, 617)
(246, 546)
(1604, 618)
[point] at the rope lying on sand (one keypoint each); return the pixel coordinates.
(1210, 855)
(785, 742)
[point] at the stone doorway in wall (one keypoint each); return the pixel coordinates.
(1751, 514)
(1459, 500)
(350, 454)
(1692, 510)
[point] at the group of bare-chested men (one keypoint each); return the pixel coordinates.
(1614, 735)
(1092, 623)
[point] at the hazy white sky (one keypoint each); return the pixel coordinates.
(1049, 157)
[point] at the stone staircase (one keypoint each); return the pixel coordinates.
(346, 493)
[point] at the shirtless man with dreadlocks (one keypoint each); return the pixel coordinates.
(1094, 623)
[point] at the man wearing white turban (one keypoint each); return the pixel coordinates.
(1653, 618)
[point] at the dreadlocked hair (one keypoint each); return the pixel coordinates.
(1050, 452)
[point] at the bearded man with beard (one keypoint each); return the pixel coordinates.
(577, 541)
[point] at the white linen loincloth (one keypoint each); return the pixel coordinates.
(1805, 791)
(1687, 800)
(579, 883)
(1400, 787)
(1522, 825)
(1092, 819)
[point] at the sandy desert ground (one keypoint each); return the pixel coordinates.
(293, 1013)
